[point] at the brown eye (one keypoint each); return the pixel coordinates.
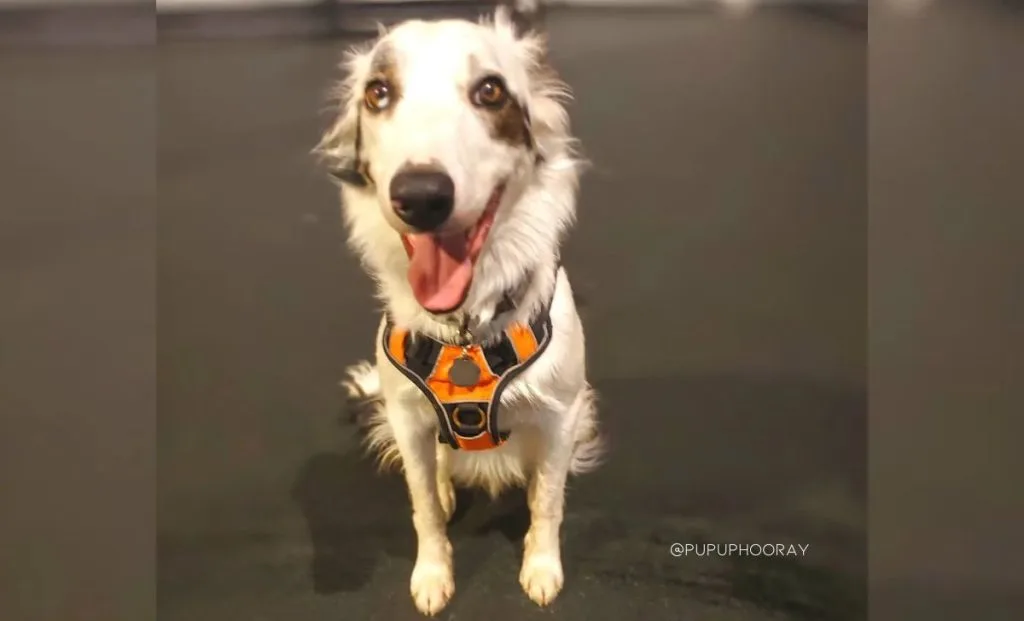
(377, 96)
(490, 92)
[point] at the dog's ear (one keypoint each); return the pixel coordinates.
(516, 24)
(531, 50)
(543, 103)
(347, 165)
(340, 147)
(506, 23)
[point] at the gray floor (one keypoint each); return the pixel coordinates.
(77, 307)
(721, 260)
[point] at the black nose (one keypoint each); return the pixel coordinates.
(423, 197)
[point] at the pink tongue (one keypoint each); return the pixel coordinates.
(440, 270)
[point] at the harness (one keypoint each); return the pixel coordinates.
(464, 383)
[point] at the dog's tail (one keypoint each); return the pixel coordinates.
(589, 451)
(366, 408)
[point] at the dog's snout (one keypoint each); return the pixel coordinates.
(423, 197)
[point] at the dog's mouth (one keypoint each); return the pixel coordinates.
(441, 264)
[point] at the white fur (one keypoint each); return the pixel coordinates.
(549, 409)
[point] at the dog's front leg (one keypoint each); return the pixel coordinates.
(541, 575)
(432, 583)
(445, 488)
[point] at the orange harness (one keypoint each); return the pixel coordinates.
(464, 383)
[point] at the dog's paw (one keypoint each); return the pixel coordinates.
(446, 493)
(432, 586)
(541, 577)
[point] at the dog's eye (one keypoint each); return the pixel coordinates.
(377, 96)
(490, 92)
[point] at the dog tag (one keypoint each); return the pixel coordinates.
(465, 372)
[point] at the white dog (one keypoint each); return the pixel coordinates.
(458, 182)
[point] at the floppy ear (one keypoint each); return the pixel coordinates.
(341, 145)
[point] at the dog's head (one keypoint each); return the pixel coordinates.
(453, 151)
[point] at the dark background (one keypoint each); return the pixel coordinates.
(757, 378)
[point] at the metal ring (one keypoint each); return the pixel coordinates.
(457, 418)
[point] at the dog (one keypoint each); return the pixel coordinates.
(450, 142)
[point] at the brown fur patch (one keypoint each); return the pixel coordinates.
(384, 67)
(511, 124)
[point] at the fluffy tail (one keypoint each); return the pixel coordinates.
(589, 452)
(366, 407)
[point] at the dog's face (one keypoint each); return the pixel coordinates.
(437, 135)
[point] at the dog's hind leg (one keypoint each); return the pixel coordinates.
(541, 574)
(433, 581)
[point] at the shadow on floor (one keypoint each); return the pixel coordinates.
(729, 461)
